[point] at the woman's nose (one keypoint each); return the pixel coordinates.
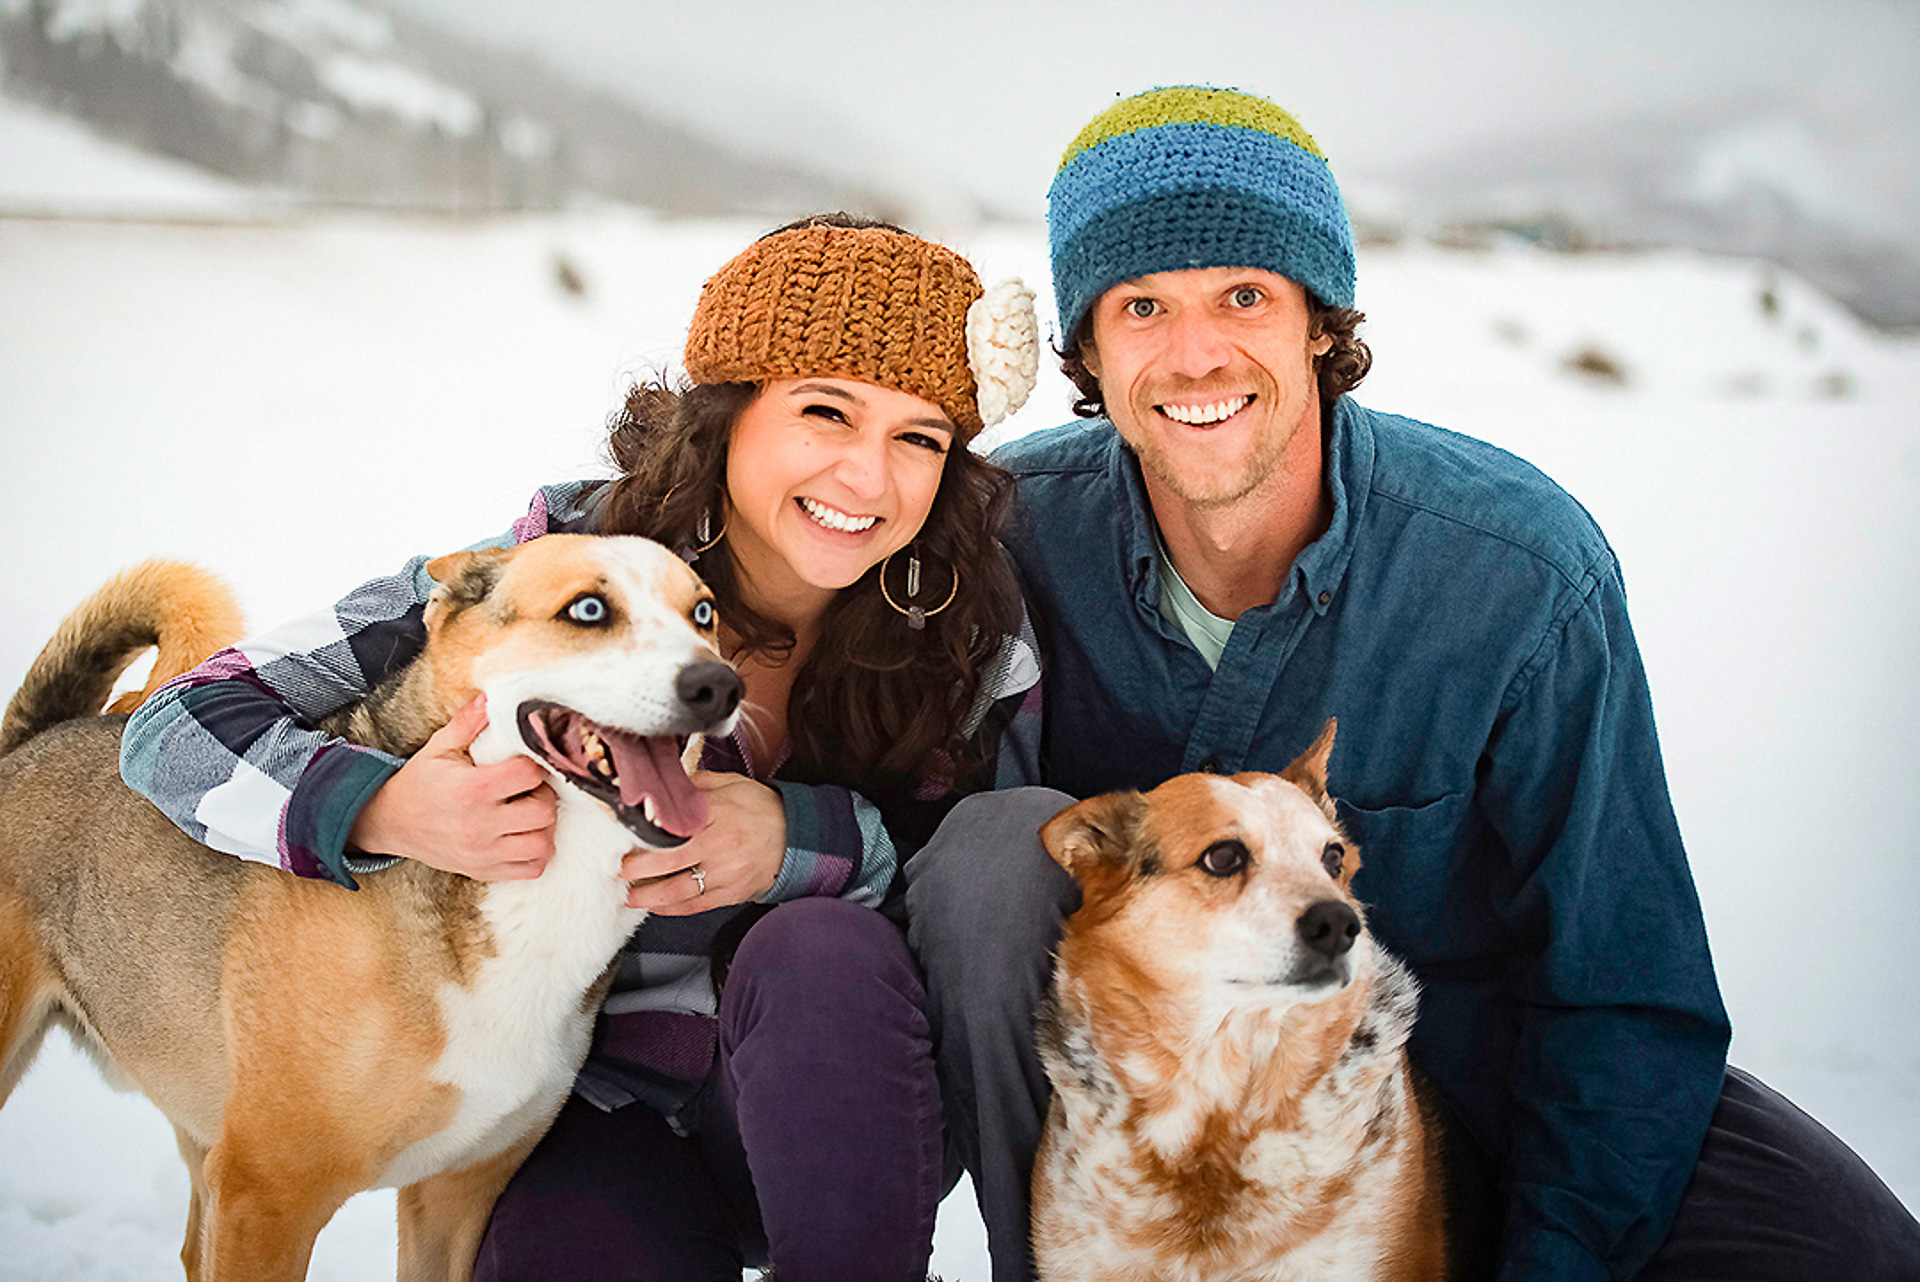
(862, 466)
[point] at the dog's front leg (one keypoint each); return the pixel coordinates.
(260, 1215)
(196, 1158)
(443, 1217)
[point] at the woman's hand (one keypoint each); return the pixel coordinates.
(738, 853)
(491, 823)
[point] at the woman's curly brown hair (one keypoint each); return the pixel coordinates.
(1337, 373)
(875, 699)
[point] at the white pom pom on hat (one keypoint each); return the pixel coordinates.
(1003, 349)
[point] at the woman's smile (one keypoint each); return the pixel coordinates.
(834, 519)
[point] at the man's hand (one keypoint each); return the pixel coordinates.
(738, 853)
(491, 823)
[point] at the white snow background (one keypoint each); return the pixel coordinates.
(300, 402)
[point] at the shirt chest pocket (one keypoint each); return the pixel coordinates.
(1412, 875)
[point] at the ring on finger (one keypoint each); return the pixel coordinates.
(699, 875)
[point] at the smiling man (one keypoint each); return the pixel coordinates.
(1228, 552)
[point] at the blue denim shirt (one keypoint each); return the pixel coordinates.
(1496, 763)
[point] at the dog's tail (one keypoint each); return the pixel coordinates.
(180, 609)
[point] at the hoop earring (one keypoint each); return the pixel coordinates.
(916, 616)
(704, 532)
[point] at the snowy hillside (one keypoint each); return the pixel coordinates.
(351, 103)
(303, 403)
(1829, 189)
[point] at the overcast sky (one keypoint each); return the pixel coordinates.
(989, 92)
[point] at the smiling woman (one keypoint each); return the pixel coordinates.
(816, 473)
(821, 413)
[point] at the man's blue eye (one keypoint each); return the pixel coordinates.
(588, 609)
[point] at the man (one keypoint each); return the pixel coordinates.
(1239, 551)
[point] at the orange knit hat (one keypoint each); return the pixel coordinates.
(873, 304)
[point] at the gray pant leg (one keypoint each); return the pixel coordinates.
(984, 907)
(1776, 1197)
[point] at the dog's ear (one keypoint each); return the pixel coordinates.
(462, 579)
(1309, 770)
(1089, 832)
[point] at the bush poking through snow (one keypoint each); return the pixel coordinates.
(1596, 364)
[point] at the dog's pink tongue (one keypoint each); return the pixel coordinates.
(650, 767)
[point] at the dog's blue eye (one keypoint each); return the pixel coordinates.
(703, 614)
(1334, 858)
(1223, 859)
(588, 609)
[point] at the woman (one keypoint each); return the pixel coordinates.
(818, 475)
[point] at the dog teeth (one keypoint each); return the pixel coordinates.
(1203, 415)
(837, 520)
(648, 809)
(599, 760)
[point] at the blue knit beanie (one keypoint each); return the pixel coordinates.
(1192, 177)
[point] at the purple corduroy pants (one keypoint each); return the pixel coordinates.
(819, 1141)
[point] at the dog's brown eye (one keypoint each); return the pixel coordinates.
(1223, 859)
(588, 610)
(703, 614)
(1334, 857)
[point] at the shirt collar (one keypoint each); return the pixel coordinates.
(1137, 531)
(1319, 568)
(1349, 478)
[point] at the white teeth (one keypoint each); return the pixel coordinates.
(837, 520)
(1202, 415)
(599, 761)
(647, 808)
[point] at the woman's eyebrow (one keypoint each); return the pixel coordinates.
(831, 389)
(826, 389)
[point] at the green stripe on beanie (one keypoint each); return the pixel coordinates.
(1190, 177)
(1190, 105)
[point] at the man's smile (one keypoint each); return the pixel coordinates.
(1208, 414)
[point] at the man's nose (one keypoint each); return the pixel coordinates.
(1196, 346)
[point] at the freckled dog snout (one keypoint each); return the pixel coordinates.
(1328, 927)
(711, 690)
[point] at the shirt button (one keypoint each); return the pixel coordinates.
(1325, 597)
(1210, 765)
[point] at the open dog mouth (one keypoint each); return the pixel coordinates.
(638, 777)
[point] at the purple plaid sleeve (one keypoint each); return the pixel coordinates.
(836, 845)
(229, 753)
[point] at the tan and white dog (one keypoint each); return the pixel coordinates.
(308, 1042)
(1231, 1100)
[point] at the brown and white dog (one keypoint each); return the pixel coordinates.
(420, 1034)
(1231, 1100)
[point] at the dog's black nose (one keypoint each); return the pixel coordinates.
(1328, 927)
(710, 690)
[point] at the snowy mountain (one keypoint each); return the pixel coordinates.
(341, 102)
(365, 102)
(1828, 190)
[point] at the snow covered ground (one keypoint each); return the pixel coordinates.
(302, 402)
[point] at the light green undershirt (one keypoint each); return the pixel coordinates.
(1207, 630)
